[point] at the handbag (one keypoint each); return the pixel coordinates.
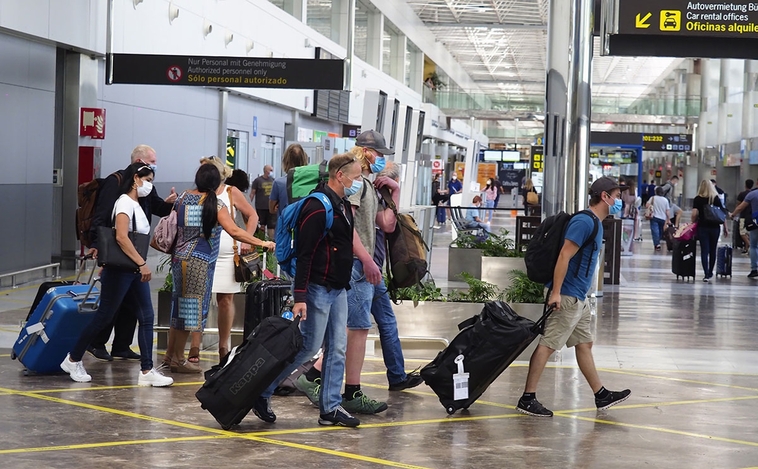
(247, 267)
(686, 232)
(164, 236)
(110, 254)
(649, 209)
(713, 214)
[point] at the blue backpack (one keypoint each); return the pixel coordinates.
(286, 231)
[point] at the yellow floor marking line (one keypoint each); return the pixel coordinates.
(342, 454)
(5, 329)
(682, 380)
(5, 355)
(425, 393)
(695, 372)
(106, 444)
(103, 388)
(663, 430)
(662, 404)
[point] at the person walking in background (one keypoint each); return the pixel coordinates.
(439, 199)
(745, 215)
(721, 194)
(201, 215)
(294, 157)
(530, 197)
(668, 189)
(490, 194)
(707, 231)
(644, 193)
(117, 284)
(260, 192)
(661, 209)
(751, 203)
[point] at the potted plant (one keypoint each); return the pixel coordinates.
(525, 296)
(490, 259)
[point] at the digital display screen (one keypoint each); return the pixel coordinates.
(493, 155)
(511, 156)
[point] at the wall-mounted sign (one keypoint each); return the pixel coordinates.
(537, 160)
(351, 131)
(92, 122)
(658, 174)
(236, 72)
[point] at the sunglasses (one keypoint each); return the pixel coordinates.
(347, 163)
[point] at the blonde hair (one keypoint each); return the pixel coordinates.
(141, 152)
(529, 185)
(223, 169)
(707, 190)
(360, 154)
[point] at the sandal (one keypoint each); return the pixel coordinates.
(194, 355)
(166, 363)
(185, 367)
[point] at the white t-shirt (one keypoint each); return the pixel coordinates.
(660, 205)
(128, 206)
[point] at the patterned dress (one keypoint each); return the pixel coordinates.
(192, 265)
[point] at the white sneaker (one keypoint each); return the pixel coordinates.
(154, 378)
(75, 370)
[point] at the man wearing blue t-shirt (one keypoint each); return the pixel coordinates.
(569, 324)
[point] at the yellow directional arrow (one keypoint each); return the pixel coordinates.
(641, 22)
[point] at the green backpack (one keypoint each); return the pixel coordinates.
(302, 180)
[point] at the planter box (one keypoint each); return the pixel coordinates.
(531, 311)
(463, 260)
(496, 270)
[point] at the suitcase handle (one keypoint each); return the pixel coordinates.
(539, 326)
(86, 306)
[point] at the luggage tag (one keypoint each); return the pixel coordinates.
(460, 381)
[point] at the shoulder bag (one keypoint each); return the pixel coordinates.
(110, 254)
(164, 236)
(649, 209)
(247, 267)
(713, 214)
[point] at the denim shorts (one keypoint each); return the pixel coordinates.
(359, 299)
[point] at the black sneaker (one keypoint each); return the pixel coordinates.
(533, 408)
(339, 417)
(127, 354)
(411, 380)
(100, 354)
(753, 274)
(613, 398)
(262, 410)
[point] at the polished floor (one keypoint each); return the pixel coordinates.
(686, 350)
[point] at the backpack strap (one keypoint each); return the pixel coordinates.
(324, 199)
(591, 239)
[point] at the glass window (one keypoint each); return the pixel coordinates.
(320, 18)
(361, 32)
(387, 48)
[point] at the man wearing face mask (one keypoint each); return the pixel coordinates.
(454, 186)
(125, 319)
(570, 322)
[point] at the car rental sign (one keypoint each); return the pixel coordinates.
(736, 19)
(232, 72)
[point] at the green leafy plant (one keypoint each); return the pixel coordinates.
(523, 290)
(496, 245)
(168, 283)
(427, 291)
(478, 291)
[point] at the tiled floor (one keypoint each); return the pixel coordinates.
(687, 351)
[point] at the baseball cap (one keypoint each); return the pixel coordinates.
(605, 184)
(374, 140)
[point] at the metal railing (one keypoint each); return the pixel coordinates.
(13, 275)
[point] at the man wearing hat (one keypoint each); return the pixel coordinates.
(569, 324)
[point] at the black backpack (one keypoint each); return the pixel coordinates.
(542, 251)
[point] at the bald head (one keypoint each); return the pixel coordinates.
(267, 170)
(144, 153)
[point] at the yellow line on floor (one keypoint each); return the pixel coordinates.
(5, 355)
(681, 380)
(663, 430)
(106, 444)
(424, 393)
(661, 404)
(103, 388)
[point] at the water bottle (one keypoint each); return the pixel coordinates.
(593, 305)
(287, 310)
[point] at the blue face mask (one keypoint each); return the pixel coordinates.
(616, 207)
(354, 188)
(154, 167)
(378, 164)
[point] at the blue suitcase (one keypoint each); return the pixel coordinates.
(724, 261)
(54, 327)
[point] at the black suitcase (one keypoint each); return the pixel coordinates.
(489, 342)
(724, 261)
(264, 299)
(683, 259)
(231, 388)
(737, 241)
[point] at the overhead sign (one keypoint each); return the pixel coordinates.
(667, 142)
(537, 159)
(689, 18)
(236, 72)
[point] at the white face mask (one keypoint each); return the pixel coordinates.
(145, 189)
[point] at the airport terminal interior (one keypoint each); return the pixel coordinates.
(549, 94)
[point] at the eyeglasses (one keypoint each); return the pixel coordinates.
(346, 163)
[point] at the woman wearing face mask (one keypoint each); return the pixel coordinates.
(128, 216)
(490, 194)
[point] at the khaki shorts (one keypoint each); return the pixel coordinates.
(568, 326)
(743, 231)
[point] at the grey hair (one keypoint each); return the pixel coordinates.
(391, 170)
(140, 152)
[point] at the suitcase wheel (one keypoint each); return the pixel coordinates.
(227, 427)
(450, 410)
(13, 355)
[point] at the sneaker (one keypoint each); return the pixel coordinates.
(362, 404)
(412, 380)
(339, 417)
(310, 388)
(75, 370)
(753, 274)
(613, 398)
(154, 378)
(533, 408)
(262, 410)
(657, 248)
(100, 354)
(705, 279)
(127, 354)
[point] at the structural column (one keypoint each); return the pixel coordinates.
(374, 39)
(398, 47)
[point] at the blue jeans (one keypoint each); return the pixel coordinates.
(656, 229)
(488, 213)
(709, 238)
(392, 351)
(753, 249)
(326, 323)
(115, 285)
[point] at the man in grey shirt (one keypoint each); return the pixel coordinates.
(260, 192)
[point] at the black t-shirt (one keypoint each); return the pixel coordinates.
(699, 203)
(747, 213)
